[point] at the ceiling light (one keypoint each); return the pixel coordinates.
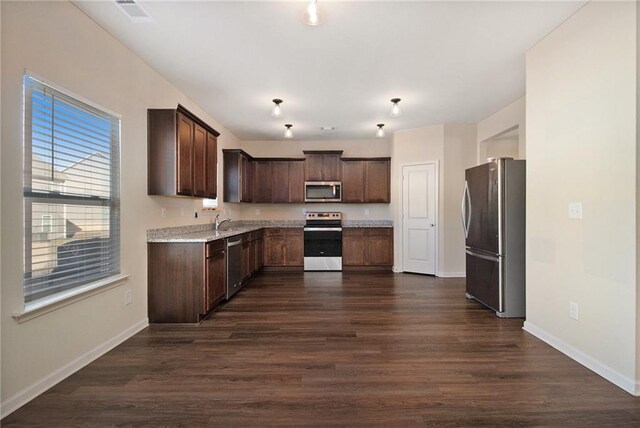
(395, 108)
(380, 133)
(312, 15)
(276, 111)
(288, 133)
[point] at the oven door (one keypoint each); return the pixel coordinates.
(322, 248)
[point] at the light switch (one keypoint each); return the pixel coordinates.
(575, 210)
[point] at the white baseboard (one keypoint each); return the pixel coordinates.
(618, 379)
(29, 393)
(452, 274)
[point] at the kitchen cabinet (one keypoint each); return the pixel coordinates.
(237, 175)
(283, 247)
(262, 181)
(322, 165)
(186, 280)
(367, 248)
(252, 260)
(366, 180)
(181, 153)
(296, 181)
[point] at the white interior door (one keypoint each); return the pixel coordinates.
(418, 219)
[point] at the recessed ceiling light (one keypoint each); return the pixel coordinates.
(288, 133)
(380, 132)
(328, 128)
(276, 111)
(395, 108)
(312, 14)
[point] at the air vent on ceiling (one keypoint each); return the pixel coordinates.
(134, 11)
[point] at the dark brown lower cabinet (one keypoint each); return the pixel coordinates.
(186, 280)
(367, 248)
(284, 247)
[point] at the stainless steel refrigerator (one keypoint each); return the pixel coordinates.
(493, 217)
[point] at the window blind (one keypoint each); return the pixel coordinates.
(71, 192)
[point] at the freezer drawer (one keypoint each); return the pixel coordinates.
(484, 279)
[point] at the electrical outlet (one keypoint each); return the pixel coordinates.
(257, 211)
(181, 212)
(195, 213)
(163, 212)
(575, 210)
(366, 211)
(573, 311)
(128, 298)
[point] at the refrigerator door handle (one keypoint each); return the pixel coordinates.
(466, 215)
(491, 258)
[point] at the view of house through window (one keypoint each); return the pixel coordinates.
(71, 192)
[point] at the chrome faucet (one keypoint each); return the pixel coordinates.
(220, 223)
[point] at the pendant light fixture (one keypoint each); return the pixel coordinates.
(312, 14)
(395, 108)
(276, 111)
(288, 133)
(380, 132)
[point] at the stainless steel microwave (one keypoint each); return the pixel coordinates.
(322, 191)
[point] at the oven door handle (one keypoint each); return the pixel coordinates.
(322, 229)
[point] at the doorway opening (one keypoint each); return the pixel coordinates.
(502, 145)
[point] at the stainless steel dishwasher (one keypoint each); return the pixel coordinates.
(234, 266)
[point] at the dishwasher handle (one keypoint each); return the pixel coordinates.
(233, 243)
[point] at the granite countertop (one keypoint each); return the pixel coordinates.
(205, 232)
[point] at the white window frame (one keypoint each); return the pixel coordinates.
(82, 288)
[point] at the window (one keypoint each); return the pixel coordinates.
(71, 192)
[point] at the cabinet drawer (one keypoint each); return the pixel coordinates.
(213, 247)
(273, 231)
(379, 231)
(353, 232)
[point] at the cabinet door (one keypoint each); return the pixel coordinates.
(377, 181)
(379, 247)
(353, 181)
(296, 181)
(245, 266)
(211, 166)
(331, 167)
(199, 160)
(313, 167)
(185, 155)
(353, 247)
(274, 247)
(216, 279)
(294, 247)
(279, 181)
(260, 257)
(246, 179)
(262, 182)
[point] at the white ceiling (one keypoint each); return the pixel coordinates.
(448, 61)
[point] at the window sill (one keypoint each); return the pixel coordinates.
(43, 306)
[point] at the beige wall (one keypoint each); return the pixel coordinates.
(582, 147)
(453, 147)
(510, 117)
(358, 148)
(70, 50)
(459, 154)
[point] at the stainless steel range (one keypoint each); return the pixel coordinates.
(323, 241)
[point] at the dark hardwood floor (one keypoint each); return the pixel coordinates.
(336, 349)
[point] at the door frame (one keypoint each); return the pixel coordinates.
(436, 164)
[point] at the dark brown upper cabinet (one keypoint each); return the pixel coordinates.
(237, 175)
(181, 153)
(366, 180)
(262, 181)
(322, 165)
